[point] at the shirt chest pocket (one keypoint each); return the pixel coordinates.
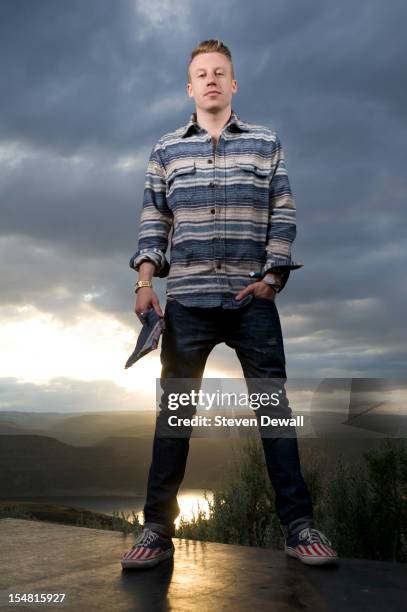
(181, 182)
(253, 181)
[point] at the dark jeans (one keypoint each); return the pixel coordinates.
(191, 333)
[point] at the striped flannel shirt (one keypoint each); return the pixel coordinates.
(230, 210)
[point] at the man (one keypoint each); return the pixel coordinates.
(221, 185)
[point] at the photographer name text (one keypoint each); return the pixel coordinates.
(223, 421)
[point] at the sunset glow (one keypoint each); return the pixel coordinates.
(90, 346)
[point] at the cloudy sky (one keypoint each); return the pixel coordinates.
(88, 86)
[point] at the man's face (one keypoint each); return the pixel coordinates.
(211, 72)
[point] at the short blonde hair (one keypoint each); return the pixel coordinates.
(211, 46)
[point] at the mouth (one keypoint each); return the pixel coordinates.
(213, 93)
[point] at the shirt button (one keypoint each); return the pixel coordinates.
(211, 184)
(213, 211)
(218, 265)
(210, 161)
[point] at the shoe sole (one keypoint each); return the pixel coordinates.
(139, 564)
(311, 560)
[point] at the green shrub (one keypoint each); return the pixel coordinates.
(14, 512)
(242, 510)
(362, 507)
(126, 523)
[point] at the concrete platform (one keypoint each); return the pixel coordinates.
(41, 557)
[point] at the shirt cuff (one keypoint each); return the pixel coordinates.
(282, 267)
(157, 257)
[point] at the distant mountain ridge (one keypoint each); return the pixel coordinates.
(79, 429)
(50, 453)
(34, 465)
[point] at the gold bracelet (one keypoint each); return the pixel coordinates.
(142, 283)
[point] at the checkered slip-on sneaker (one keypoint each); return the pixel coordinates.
(149, 549)
(311, 546)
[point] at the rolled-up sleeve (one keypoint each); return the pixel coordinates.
(156, 219)
(282, 227)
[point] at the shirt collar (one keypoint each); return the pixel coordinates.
(233, 124)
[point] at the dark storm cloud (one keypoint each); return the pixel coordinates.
(78, 76)
(89, 86)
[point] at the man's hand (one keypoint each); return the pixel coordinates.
(145, 298)
(259, 289)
